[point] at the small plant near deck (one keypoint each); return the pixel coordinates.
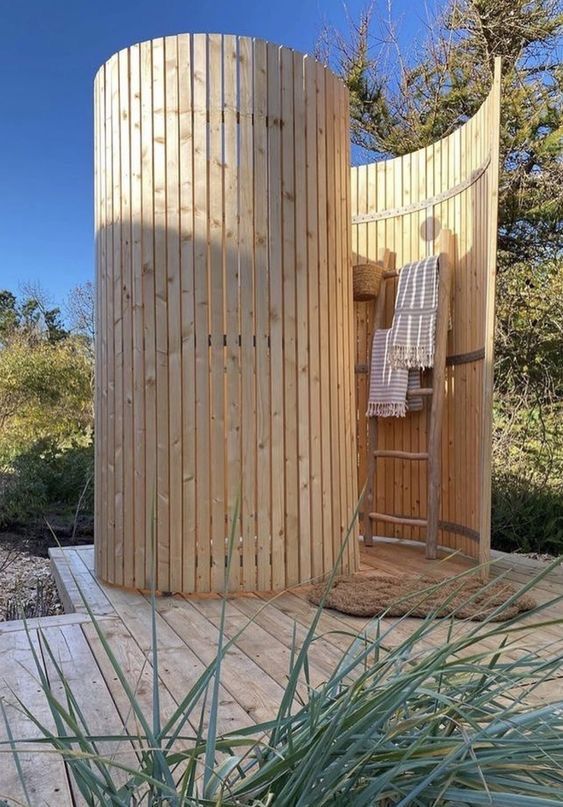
(399, 722)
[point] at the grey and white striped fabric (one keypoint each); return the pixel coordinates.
(413, 332)
(387, 385)
(414, 382)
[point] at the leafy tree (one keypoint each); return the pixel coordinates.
(44, 391)
(46, 415)
(31, 318)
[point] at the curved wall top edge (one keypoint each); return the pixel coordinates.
(242, 37)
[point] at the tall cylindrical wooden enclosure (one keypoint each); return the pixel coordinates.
(225, 367)
(402, 205)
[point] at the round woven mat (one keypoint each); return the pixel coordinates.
(466, 598)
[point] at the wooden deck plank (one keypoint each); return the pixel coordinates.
(71, 573)
(254, 670)
(324, 656)
(260, 645)
(260, 695)
(76, 661)
(44, 773)
(136, 667)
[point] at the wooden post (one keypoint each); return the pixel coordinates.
(388, 265)
(488, 376)
(438, 382)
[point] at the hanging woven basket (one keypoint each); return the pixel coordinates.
(367, 281)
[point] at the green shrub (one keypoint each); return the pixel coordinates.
(43, 477)
(526, 517)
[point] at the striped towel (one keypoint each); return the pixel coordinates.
(387, 385)
(413, 332)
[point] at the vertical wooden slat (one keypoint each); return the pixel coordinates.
(148, 291)
(289, 320)
(232, 303)
(99, 229)
(126, 272)
(217, 325)
(186, 166)
(333, 305)
(312, 213)
(201, 318)
(161, 319)
(337, 323)
(276, 317)
(348, 332)
(139, 431)
(247, 328)
(324, 320)
(116, 323)
(172, 136)
(302, 369)
(492, 224)
(261, 279)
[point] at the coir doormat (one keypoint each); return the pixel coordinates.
(465, 598)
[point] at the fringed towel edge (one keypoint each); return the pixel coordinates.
(401, 356)
(387, 410)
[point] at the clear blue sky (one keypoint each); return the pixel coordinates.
(49, 54)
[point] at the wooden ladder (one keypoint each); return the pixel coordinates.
(436, 392)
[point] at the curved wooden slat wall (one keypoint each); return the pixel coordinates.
(224, 315)
(402, 204)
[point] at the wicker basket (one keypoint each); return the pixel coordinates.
(367, 281)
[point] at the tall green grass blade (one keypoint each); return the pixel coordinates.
(15, 753)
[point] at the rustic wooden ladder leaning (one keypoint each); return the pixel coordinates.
(436, 392)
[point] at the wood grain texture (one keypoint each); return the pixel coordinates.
(402, 205)
(224, 355)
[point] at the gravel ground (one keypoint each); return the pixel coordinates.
(26, 586)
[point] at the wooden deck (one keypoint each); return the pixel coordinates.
(253, 674)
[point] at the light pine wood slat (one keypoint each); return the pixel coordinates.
(216, 320)
(186, 168)
(247, 317)
(173, 284)
(262, 297)
(303, 374)
(201, 312)
(232, 303)
(315, 399)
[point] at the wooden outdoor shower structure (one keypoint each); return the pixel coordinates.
(230, 358)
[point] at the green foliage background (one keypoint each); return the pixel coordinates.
(46, 415)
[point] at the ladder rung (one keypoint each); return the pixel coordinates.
(419, 392)
(402, 455)
(412, 522)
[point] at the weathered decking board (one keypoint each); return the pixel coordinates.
(254, 671)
